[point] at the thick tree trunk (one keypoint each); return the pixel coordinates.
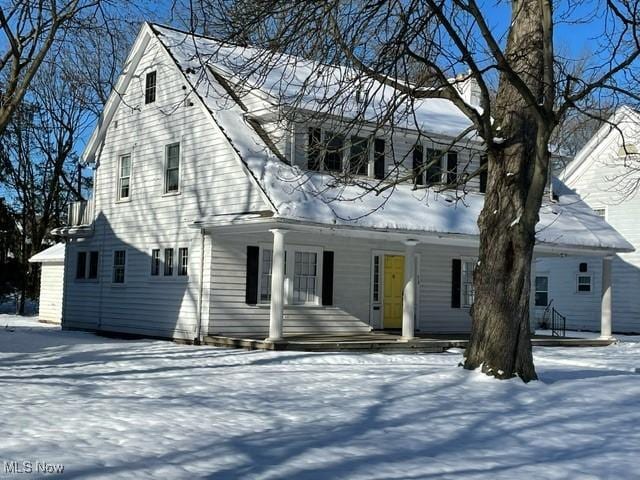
(500, 339)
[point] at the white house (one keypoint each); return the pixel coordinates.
(51, 282)
(604, 173)
(211, 217)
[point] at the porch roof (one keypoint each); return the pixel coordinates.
(317, 199)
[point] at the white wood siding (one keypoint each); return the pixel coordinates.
(51, 291)
(230, 315)
(599, 186)
(212, 182)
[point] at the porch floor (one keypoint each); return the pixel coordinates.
(383, 341)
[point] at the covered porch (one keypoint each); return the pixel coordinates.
(398, 290)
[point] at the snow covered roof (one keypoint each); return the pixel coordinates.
(54, 254)
(289, 80)
(312, 197)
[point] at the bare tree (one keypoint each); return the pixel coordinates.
(38, 158)
(526, 86)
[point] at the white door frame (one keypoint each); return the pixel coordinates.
(380, 303)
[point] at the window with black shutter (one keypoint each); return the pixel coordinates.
(253, 267)
(314, 149)
(434, 166)
(418, 165)
(327, 278)
(378, 158)
(456, 281)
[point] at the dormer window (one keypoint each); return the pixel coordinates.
(150, 88)
(334, 152)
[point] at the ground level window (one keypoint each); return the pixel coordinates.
(542, 291)
(376, 278)
(155, 262)
(468, 292)
(119, 261)
(168, 262)
(305, 277)
(81, 265)
(265, 275)
(93, 265)
(183, 261)
(584, 283)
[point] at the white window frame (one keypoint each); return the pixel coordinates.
(290, 271)
(165, 166)
(120, 198)
(87, 266)
(126, 261)
(583, 292)
(346, 150)
(535, 289)
(159, 273)
(179, 263)
(463, 262)
(603, 208)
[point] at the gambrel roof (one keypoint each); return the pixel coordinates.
(314, 198)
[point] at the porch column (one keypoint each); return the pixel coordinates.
(277, 286)
(409, 293)
(605, 316)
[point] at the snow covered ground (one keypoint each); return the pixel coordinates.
(152, 409)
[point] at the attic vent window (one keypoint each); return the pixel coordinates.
(150, 88)
(583, 267)
(627, 149)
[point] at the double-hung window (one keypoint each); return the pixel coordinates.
(359, 156)
(302, 276)
(172, 168)
(150, 88)
(584, 283)
(155, 262)
(542, 291)
(468, 292)
(119, 264)
(87, 270)
(168, 262)
(124, 176)
(305, 278)
(183, 261)
(81, 265)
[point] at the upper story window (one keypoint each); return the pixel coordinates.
(600, 211)
(183, 261)
(168, 262)
(150, 88)
(333, 152)
(155, 262)
(172, 168)
(87, 270)
(432, 166)
(124, 176)
(359, 156)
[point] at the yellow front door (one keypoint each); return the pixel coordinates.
(393, 281)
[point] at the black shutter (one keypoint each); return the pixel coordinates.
(418, 165)
(452, 168)
(327, 278)
(456, 280)
(484, 175)
(378, 158)
(253, 258)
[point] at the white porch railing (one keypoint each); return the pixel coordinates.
(80, 213)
